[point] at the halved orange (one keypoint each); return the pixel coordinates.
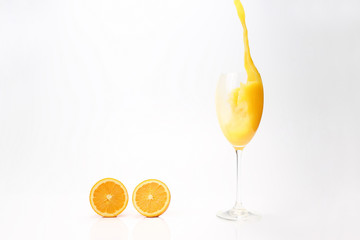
(108, 197)
(151, 198)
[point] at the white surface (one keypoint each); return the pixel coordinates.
(125, 89)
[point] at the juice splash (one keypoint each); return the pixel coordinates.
(240, 116)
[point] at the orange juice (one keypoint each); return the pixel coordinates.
(239, 113)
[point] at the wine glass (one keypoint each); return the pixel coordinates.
(239, 106)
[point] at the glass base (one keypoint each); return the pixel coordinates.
(239, 214)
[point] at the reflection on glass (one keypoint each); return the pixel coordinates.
(109, 229)
(151, 229)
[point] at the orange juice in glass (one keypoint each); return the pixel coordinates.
(239, 107)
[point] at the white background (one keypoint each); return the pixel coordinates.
(125, 89)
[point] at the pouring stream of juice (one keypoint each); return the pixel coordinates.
(250, 68)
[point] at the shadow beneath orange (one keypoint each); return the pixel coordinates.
(151, 229)
(109, 229)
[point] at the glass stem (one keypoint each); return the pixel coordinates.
(238, 203)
